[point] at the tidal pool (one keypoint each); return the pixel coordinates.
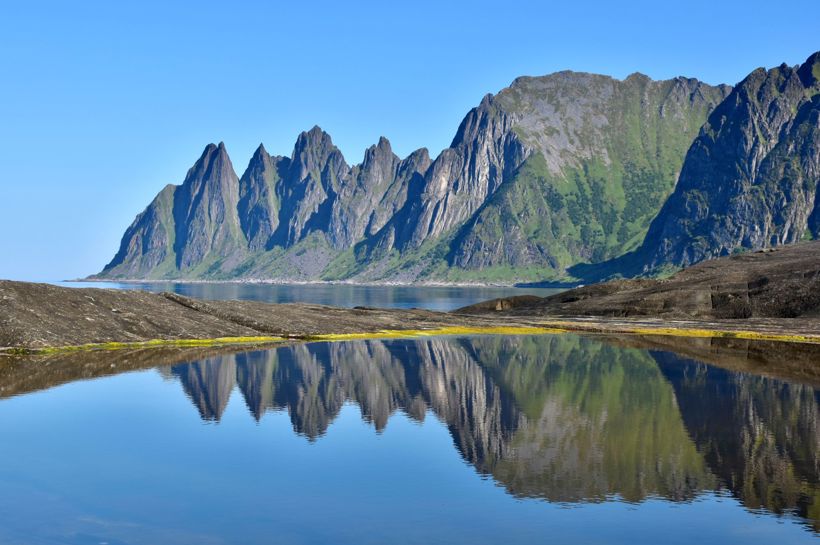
(481, 439)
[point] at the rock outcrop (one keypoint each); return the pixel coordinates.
(779, 282)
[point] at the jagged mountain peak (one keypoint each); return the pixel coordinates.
(750, 179)
(212, 150)
(260, 159)
(486, 100)
(212, 164)
(313, 151)
(206, 225)
(315, 137)
(638, 76)
(419, 156)
(380, 151)
(809, 71)
(260, 151)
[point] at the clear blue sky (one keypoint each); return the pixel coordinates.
(103, 103)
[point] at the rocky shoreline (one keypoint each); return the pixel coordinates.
(36, 317)
(771, 295)
(772, 284)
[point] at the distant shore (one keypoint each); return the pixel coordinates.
(389, 284)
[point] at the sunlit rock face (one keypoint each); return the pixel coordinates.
(551, 171)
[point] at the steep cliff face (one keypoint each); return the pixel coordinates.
(551, 171)
(259, 200)
(189, 230)
(208, 234)
(750, 179)
(148, 244)
(605, 154)
(311, 184)
(374, 191)
(484, 152)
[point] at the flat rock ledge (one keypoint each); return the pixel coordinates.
(37, 317)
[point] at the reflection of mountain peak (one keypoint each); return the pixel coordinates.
(255, 376)
(760, 436)
(557, 417)
(209, 384)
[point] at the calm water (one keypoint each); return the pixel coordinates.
(340, 295)
(534, 439)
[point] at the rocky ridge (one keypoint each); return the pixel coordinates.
(751, 177)
(782, 282)
(551, 171)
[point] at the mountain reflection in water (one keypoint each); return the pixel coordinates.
(563, 418)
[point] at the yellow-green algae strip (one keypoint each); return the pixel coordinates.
(551, 327)
(153, 343)
(454, 330)
(602, 327)
(383, 334)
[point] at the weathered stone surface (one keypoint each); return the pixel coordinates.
(259, 200)
(148, 244)
(190, 230)
(603, 154)
(782, 282)
(750, 179)
(41, 315)
(205, 214)
(309, 188)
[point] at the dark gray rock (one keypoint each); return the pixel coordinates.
(750, 179)
(310, 186)
(259, 202)
(147, 245)
(206, 220)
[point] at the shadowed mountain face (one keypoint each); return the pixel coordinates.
(750, 178)
(563, 418)
(551, 171)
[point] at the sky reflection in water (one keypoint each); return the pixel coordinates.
(441, 440)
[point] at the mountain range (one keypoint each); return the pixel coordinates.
(559, 177)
